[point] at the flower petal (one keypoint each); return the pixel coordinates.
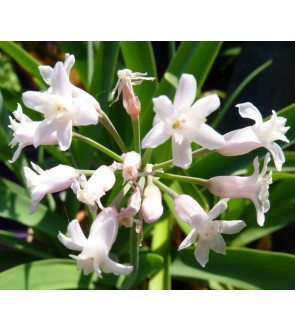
(277, 155)
(85, 114)
(218, 244)
(43, 132)
(249, 111)
(64, 134)
(230, 226)
(181, 153)
(186, 91)
(110, 266)
(76, 233)
(69, 62)
(163, 107)
(46, 73)
(186, 207)
(209, 138)
(189, 240)
(60, 82)
(159, 134)
(69, 243)
(218, 209)
(206, 105)
(202, 252)
(32, 99)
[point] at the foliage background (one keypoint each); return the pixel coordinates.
(239, 71)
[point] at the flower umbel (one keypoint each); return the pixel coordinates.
(184, 122)
(254, 187)
(206, 230)
(95, 249)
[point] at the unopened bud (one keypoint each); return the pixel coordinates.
(152, 208)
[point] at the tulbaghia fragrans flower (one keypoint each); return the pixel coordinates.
(125, 86)
(90, 192)
(62, 108)
(152, 208)
(24, 130)
(94, 256)
(53, 180)
(261, 134)
(184, 122)
(254, 187)
(205, 229)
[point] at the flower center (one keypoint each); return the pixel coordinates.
(61, 108)
(179, 123)
(208, 231)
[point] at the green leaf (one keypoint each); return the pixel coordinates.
(241, 268)
(24, 59)
(10, 240)
(15, 205)
(46, 274)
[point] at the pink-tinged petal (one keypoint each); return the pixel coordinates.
(277, 155)
(206, 105)
(32, 99)
(209, 138)
(76, 233)
(249, 111)
(110, 266)
(159, 134)
(64, 135)
(17, 152)
(230, 226)
(43, 132)
(60, 82)
(189, 240)
(218, 209)
(46, 73)
(185, 92)
(103, 179)
(163, 107)
(218, 244)
(181, 153)
(259, 213)
(186, 207)
(85, 113)
(202, 252)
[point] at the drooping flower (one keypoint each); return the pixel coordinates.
(53, 180)
(24, 130)
(125, 86)
(184, 122)
(95, 249)
(206, 230)
(152, 208)
(254, 187)
(90, 192)
(261, 134)
(61, 106)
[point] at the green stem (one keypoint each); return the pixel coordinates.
(90, 64)
(134, 258)
(169, 163)
(136, 135)
(146, 158)
(98, 146)
(165, 189)
(202, 182)
(171, 49)
(107, 123)
(87, 172)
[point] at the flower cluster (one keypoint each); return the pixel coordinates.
(64, 106)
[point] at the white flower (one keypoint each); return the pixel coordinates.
(62, 108)
(24, 132)
(261, 134)
(53, 180)
(206, 230)
(152, 208)
(131, 165)
(254, 187)
(95, 249)
(124, 85)
(184, 122)
(90, 192)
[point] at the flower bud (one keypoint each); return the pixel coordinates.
(131, 164)
(152, 208)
